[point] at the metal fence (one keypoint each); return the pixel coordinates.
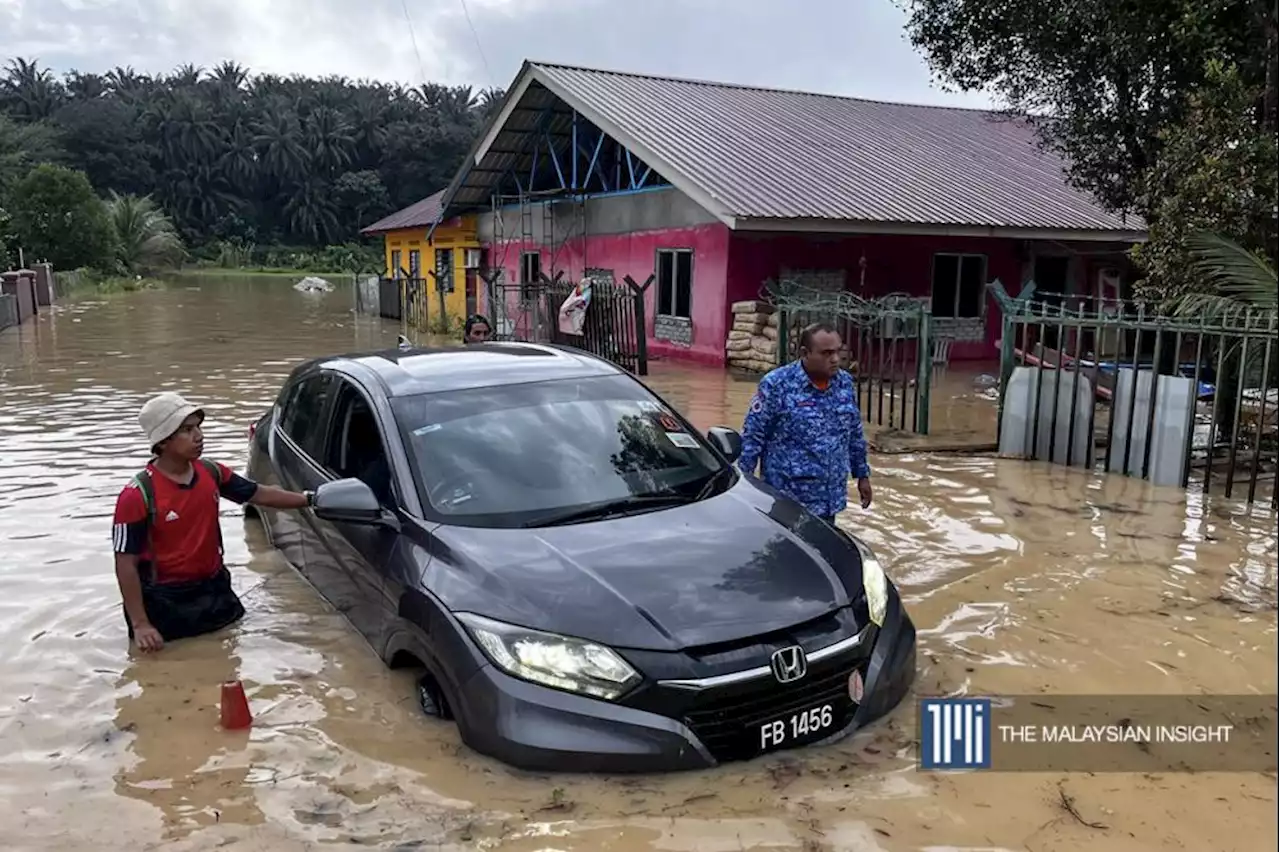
(613, 326)
(1176, 400)
(888, 347)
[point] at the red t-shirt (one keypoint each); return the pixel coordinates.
(185, 543)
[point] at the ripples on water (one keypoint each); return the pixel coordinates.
(1021, 579)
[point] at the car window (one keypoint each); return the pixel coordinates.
(355, 447)
(500, 456)
(303, 419)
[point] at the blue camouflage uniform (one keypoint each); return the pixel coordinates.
(807, 440)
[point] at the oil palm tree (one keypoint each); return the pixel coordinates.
(146, 239)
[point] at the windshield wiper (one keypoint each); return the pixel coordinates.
(710, 484)
(608, 507)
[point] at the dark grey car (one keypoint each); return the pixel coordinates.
(587, 583)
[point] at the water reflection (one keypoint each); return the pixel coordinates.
(1022, 578)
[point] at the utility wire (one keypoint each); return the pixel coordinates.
(413, 39)
(479, 47)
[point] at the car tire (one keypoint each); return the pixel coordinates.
(431, 699)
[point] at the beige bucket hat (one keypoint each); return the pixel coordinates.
(161, 416)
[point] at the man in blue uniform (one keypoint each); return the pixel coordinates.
(804, 428)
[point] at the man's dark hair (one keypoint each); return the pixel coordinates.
(475, 320)
(806, 335)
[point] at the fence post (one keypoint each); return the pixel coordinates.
(924, 370)
(642, 341)
(782, 356)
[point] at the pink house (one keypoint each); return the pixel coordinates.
(715, 188)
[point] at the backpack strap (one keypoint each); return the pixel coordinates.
(213, 471)
(148, 490)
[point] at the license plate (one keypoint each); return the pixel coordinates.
(797, 727)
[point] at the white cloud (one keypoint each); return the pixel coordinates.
(854, 48)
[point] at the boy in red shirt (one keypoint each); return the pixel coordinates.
(166, 537)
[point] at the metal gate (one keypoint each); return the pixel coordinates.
(888, 347)
(613, 327)
(1222, 369)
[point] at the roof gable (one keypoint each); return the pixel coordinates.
(773, 158)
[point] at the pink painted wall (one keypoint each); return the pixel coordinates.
(634, 254)
(894, 264)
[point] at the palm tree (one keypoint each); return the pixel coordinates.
(1244, 298)
(1242, 281)
(146, 239)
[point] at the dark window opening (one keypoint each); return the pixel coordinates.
(444, 270)
(355, 446)
(959, 284)
(415, 263)
(675, 283)
(303, 419)
(530, 272)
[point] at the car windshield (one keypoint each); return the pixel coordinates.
(508, 456)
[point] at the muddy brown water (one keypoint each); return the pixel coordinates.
(1021, 579)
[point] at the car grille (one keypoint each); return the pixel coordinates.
(727, 720)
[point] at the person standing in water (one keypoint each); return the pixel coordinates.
(477, 330)
(165, 532)
(804, 428)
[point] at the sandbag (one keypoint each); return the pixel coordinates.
(739, 335)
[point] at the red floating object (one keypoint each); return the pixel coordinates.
(235, 706)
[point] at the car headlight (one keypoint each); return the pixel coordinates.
(574, 665)
(874, 584)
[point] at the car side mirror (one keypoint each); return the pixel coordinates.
(727, 441)
(349, 501)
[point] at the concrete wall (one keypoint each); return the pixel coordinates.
(456, 235)
(8, 311)
(624, 234)
(893, 264)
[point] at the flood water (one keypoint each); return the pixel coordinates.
(1021, 579)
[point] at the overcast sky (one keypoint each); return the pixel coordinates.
(850, 47)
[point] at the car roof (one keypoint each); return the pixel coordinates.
(415, 370)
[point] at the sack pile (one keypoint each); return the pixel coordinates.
(752, 344)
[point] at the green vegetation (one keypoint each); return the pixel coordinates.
(1167, 110)
(245, 172)
(255, 159)
(57, 217)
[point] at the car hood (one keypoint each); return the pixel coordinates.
(740, 564)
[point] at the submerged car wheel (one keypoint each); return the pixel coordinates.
(431, 699)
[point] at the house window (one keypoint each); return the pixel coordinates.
(530, 272)
(675, 283)
(959, 285)
(395, 263)
(444, 270)
(415, 264)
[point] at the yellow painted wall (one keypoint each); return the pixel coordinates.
(456, 236)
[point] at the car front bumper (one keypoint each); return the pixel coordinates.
(535, 728)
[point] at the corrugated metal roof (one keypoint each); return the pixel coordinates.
(422, 214)
(768, 154)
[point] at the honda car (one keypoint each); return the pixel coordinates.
(584, 581)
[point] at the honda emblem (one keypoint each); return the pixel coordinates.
(789, 664)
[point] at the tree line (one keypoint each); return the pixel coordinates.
(1167, 110)
(239, 161)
